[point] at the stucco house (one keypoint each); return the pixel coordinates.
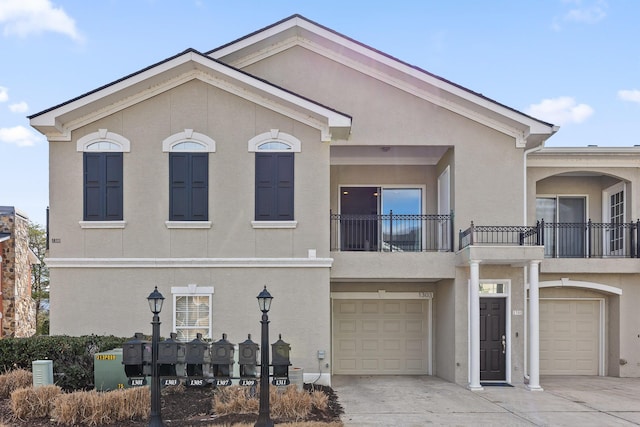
(404, 224)
(17, 308)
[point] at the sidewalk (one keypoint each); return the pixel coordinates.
(418, 401)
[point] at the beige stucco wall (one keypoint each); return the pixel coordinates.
(114, 301)
(196, 106)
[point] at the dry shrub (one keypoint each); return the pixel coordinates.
(28, 403)
(289, 403)
(96, 408)
(13, 380)
(235, 400)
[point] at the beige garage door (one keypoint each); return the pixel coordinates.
(380, 337)
(569, 337)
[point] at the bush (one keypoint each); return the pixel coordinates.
(288, 404)
(72, 356)
(14, 380)
(97, 408)
(28, 403)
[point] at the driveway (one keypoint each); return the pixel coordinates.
(422, 400)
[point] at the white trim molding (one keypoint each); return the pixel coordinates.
(276, 136)
(102, 224)
(189, 262)
(192, 289)
(187, 224)
(565, 282)
(104, 135)
(188, 135)
(274, 224)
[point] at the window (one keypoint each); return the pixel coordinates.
(189, 193)
(274, 175)
(188, 175)
(192, 311)
(103, 175)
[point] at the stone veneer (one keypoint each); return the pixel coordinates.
(18, 308)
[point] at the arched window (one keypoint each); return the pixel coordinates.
(102, 169)
(274, 173)
(188, 175)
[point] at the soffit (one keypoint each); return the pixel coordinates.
(58, 122)
(386, 155)
(298, 31)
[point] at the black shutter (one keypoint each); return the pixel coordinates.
(179, 183)
(102, 187)
(113, 186)
(199, 187)
(274, 186)
(189, 186)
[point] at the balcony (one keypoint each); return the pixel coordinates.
(562, 240)
(391, 233)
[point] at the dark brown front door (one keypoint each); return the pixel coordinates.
(493, 344)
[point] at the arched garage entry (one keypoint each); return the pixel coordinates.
(575, 326)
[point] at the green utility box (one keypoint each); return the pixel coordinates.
(108, 371)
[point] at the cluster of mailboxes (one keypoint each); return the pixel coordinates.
(199, 360)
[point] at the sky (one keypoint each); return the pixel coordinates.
(573, 63)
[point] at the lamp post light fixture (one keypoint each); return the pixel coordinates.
(155, 304)
(264, 302)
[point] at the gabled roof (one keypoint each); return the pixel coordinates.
(298, 30)
(57, 122)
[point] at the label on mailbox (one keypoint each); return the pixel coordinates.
(280, 381)
(136, 382)
(169, 381)
(195, 382)
(223, 382)
(246, 382)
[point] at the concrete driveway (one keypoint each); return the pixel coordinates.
(422, 400)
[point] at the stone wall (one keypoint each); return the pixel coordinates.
(19, 310)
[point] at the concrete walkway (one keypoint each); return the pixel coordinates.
(418, 401)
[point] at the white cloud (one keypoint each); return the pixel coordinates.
(584, 12)
(4, 94)
(27, 17)
(629, 95)
(20, 107)
(18, 135)
(561, 110)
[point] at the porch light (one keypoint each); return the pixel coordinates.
(264, 300)
(155, 299)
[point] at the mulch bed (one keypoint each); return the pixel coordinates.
(189, 408)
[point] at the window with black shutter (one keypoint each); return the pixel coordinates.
(102, 186)
(189, 192)
(274, 186)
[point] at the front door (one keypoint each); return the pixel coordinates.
(493, 341)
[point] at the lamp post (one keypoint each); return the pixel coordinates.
(264, 302)
(155, 304)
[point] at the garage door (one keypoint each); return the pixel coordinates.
(569, 337)
(387, 337)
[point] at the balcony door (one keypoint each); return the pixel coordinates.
(381, 219)
(565, 225)
(613, 214)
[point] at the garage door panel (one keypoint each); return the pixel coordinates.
(380, 337)
(569, 337)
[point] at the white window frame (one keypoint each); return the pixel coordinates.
(192, 290)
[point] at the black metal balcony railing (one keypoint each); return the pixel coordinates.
(391, 233)
(562, 240)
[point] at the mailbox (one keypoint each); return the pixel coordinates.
(222, 358)
(280, 358)
(248, 358)
(171, 353)
(134, 356)
(197, 355)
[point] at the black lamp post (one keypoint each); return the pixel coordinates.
(264, 302)
(155, 304)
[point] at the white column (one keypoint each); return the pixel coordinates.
(534, 328)
(474, 324)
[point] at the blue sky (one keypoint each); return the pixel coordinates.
(574, 63)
